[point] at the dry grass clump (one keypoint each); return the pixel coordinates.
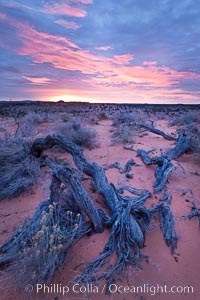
(82, 136)
(137, 116)
(126, 126)
(19, 169)
(186, 118)
(161, 115)
(28, 124)
(122, 118)
(65, 117)
(124, 134)
(94, 118)
(40, 246)
(192, 132)
(102, 116)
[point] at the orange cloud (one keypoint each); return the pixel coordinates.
(68, 24)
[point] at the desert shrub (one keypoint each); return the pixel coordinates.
(12, 111)
(160, 115)
(40, 245)
(81, 135)
(19, 169)
(194, 116)
(188, 123)
(65, 118)
(123, 135)
(47, 116)
(186, 118)
(93, 119)
(126, 126)
(120, 118)
(193, 133)
(102, 116)
(27, 125)
(85, 137)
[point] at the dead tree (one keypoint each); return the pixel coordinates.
(157, 131)
(163, 162)
(167, 227)
(83, 201)
(127, 167)
(162, 170)
(41, 245)
(195, 212)
(127, 220)
(91, 169)
(125, 216)
(183, 145)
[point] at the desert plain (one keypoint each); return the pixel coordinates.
(114, 137)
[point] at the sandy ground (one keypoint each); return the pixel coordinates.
(182, 269)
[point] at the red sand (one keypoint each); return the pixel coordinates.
(162, 268)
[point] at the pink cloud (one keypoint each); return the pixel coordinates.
(3, 17)
(105, 75)
(149, 63)
(62, 53)
(82, 1)
(68, 24)
(37, 80)
(34, 41)
(64, 9)
(103, 48)
(56, 8)
(123, 59)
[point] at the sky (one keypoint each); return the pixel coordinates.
(130, 51)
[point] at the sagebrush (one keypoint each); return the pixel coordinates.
(19, 169)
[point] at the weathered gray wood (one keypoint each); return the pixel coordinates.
(195, 212)
(91, 169)
(127, 167)
(84, 202)
(183, 145)
(164, 165)
(162, 171)
(167, 227)
(127, 218)
(157, 131)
